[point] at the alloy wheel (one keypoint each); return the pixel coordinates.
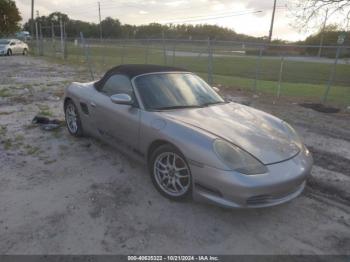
(172, 174)
(71, 118)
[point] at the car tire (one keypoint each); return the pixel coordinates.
(25, 51)
(9, 52)
(166, 165)
(72, 118)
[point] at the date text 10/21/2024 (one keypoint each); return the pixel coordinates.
(174, 258)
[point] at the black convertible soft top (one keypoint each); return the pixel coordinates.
(133, 70)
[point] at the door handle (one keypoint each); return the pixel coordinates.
(92, 104)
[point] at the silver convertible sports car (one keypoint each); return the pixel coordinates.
(194, 143)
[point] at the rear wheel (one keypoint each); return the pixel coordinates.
(25, 51)
(72, 119)
(9, 52)
(170, 173)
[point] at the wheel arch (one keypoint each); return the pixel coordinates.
(66, 100)
(156, 144)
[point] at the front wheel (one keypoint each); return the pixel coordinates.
(170, 173)
(9, 52)
(72, 119)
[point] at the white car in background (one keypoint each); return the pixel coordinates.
(23, 35)
(12, 47)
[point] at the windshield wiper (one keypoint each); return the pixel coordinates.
(177, 107)
(213, 103)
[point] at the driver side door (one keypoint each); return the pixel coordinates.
(117, 124)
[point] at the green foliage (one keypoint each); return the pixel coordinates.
(3, 130)
(330, 37)
(9, 17)
(112, 28)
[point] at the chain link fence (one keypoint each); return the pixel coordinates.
(298, 72)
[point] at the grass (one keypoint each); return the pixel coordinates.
(45, 111)
(338, 94)
(3, 130)
(5, 92)
(32, 150)
(299, 79)
(7, 144)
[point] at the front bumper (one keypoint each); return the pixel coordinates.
(284, 182)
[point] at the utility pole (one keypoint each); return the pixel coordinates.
(99, 17)
(272, 20)
(32, 20)
(322, 34)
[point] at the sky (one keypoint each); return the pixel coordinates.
(245, 17)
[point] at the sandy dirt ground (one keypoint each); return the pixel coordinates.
(63, 195)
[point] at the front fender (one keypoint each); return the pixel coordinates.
(195, 144)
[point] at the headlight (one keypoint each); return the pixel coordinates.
(292, 134)
(237, 159)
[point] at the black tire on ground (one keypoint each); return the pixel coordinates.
(79, 132)
(151, 165)
(9, 52)
(25, 51)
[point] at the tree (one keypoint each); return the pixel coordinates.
(111, 28)
(311, 13)
(56, 16)
(9, 17)
(330, 36)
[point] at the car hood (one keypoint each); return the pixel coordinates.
(259, 133)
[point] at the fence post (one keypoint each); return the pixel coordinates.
(62, 43)
(37, 38)
(280, 78)
(122, 57)
(210, 62)
(332, 76)
(87, 55)
(174, 50)
(257, 69)
(164, 48)
(65, 53)
(41, 40)
(146, 51)
(53, 39)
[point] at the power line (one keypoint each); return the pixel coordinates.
(212, 17)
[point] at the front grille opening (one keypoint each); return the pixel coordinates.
(261, 199)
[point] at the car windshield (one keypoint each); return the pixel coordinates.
(4, 42)
(175, 90)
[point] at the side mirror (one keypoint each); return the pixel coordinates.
(122, 99)
(12, 43)
(216, 89)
